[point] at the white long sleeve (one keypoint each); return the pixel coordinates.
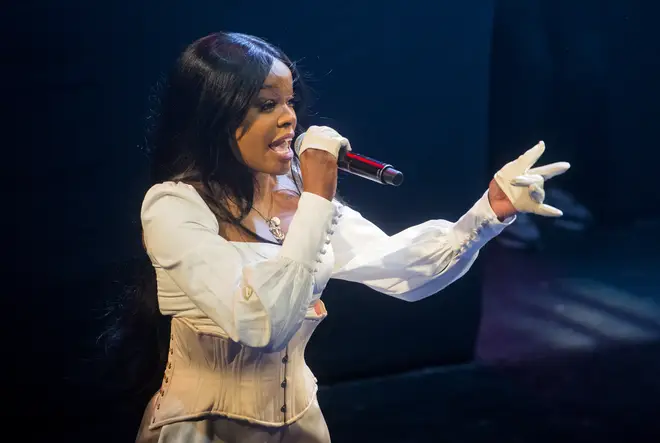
(259, 305)
(417, 262)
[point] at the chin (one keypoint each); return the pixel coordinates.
(284, 169)
(280, 168)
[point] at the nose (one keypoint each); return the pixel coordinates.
(288, 117)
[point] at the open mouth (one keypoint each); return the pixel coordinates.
(282, 145)
(282, 148)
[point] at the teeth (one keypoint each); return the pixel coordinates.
(282, 145)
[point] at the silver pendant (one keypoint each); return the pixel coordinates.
(274, 228)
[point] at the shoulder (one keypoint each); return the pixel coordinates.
(175, 202)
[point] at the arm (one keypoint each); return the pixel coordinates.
(424, 259)
(417, 262)
(259, 305)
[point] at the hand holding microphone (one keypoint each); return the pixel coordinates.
(318, 154)
(323, 138)
(329, 140)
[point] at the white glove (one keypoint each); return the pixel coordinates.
(323, 138)
(524, 186)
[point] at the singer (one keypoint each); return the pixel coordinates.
(243, 235)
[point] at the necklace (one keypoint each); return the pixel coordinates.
(274, 226)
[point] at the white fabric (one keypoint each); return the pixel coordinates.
(260, 303)
(209, 376)
(250, 308)
(257, 293)
(524, 186)
(323, 138)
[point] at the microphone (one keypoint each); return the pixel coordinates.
(365, 167)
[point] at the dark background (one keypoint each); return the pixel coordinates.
(446, 92)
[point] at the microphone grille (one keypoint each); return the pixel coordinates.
(298, 142)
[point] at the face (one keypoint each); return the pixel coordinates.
(265, 137)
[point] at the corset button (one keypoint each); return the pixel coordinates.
(283, 408)
(285, 359)
(283, 384)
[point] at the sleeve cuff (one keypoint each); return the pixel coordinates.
(310, 230)
(478, 226)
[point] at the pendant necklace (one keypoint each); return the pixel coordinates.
(274, 226)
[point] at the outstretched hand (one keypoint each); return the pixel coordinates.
(518, 187)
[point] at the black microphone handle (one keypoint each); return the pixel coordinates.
(368, 168)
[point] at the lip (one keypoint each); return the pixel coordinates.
(287, 137)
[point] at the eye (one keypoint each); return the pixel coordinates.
(267, 106)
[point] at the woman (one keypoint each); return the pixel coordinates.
(244, 235)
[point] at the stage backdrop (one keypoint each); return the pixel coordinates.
(583, 76)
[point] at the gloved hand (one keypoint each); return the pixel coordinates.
(524, 186)
(323, 138)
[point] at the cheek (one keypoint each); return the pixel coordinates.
(263, 130)
(253, 142)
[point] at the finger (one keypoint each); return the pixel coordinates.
(548, 211)
(551, 170)
(526, 180)
(536, 193)
(532, 155)
(330, 132)
(342, 141)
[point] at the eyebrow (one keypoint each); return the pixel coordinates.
(270, 87)
(275, 89)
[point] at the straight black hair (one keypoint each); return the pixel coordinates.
(191, 138)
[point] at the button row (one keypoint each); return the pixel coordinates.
(328, 238)
(473, 236)
(283, 384)
(166, 380)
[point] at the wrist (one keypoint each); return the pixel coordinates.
(502, 209)
(503, 213)
(499, 202)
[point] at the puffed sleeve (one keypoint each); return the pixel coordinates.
(416, 262)
(259, 305)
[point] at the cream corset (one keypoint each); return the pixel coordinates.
(208, 374)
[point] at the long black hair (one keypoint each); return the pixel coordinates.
(191, 138)
(203, 102)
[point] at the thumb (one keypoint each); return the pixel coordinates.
(526, 180)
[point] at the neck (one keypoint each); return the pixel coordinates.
(266, 184)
